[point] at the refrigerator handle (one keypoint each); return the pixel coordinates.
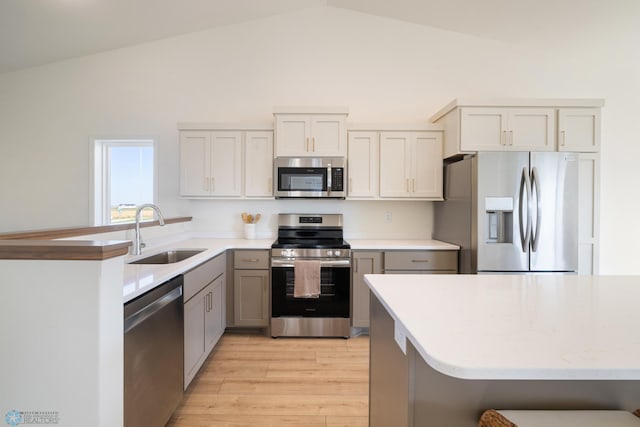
(535, 186)
(525, 186)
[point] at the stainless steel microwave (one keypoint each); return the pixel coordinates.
(310, 177)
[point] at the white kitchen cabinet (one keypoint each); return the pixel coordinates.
(579, 129)
(364, 262)
(411, 165)
(500, 129)
(531, 124)
(210, 163)
(204, 313)
(251, 288)
(588, 218)
(363, 164)
(258, 164)
(310, 135)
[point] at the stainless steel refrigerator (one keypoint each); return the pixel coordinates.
(511, 211)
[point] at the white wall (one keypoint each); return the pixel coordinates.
(383, 70)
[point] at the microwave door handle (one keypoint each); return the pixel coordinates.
(329, 179)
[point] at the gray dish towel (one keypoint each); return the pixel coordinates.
(306, 279)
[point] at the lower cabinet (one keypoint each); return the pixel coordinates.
(251, 288)
(393, 262)
(421, 262)
(204, 313)
(364, 262)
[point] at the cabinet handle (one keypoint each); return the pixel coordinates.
(511, 139)
(419, 260)
(503, 140)
(414, 184)
(307, 146)
(250, 260)
(210, 301)
(313, 144)
(206, 302)
(407, 184)
(563, 136)
(356, 265)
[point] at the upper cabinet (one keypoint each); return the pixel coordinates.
(310, 132)
(411, 165)
(579, 129)
(226, 163)
(363, 164)
(210, 163)
(520, 125)
(258, 164)
(500, 129)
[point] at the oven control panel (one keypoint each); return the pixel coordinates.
(311, 253)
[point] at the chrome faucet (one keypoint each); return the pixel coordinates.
(137, 243)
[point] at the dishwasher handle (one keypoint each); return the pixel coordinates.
(144, 313)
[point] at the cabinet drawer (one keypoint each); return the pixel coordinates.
(420, 260)
(202, 275)
(251, 260)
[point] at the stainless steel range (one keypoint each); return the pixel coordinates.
(308, 237)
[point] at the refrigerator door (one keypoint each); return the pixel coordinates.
(554, 241)
(503, 215)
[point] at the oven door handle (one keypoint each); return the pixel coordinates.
(288, 263)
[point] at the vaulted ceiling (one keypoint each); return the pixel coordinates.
(34, 32)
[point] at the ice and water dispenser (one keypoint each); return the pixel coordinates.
(499, 213)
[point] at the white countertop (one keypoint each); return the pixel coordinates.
(518, 326)
(141, 278)
(401, 244)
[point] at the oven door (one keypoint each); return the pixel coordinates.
(335, 286)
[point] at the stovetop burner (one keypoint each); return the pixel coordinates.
(320, 235)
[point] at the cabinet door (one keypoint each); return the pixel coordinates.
(363, 263)
(427, 165)
(531, 129)
(195, 166)
(394, 161)
(226, 163)
(251, 298)
(328, 136)
(258, 167)
(363, 164)
(214, 312)
(194, 347)
(579, 129)
(293, 135)
(483, 129)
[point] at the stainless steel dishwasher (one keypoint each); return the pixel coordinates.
(153, 355)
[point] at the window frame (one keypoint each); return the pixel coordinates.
(100, 189)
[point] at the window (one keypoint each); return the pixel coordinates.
(123, 179)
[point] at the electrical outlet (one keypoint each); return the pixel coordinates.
(387, 217)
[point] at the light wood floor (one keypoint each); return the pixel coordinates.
(253, 380)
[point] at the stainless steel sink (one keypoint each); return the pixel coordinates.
(168, 257)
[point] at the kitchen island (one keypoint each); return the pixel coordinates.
(460, 344)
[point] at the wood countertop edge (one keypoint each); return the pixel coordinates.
(75, 250)
(60, 233)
